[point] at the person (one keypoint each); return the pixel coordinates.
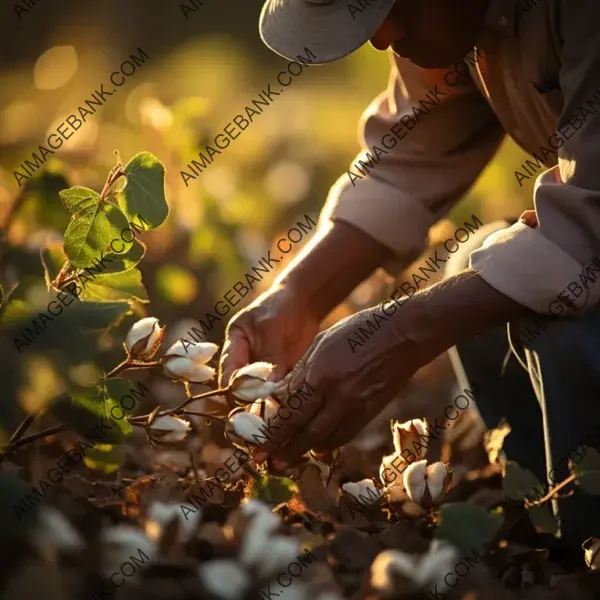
(463, 75)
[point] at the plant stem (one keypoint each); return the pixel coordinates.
(203, 415)
(22, 428)
(129, 364)
(551, 493)
(209, 394)
(112, 179)
(179, 410)
(33, 437)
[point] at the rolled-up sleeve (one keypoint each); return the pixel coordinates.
(538, 266)
(444, 136)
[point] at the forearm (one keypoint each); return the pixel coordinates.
(453, 310)
(331, 265)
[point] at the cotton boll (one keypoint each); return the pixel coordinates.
(144, 338)
(252, 507)
(265, 408)
(224, 578)
(250, 382)
(385, 568)
(170, 429)
(438, 481)
(54, 530)
(414, 480)
(160, 515)
(437, 563)
(199, 353)
(120, 543)
(364, 491)
(591, 548)
(180, 367)
(278, 554)
(408, 438)
(257, 537)
(244, 427)
(391, 470)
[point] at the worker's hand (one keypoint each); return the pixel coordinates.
(338, 387)
(355, 368)
(276, 328)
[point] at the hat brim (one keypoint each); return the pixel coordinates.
(329, 30)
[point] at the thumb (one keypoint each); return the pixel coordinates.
(235, 354)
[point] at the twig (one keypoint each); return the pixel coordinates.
(203, 415)
(129, 364)
(551, 493)
(113, 177)
(33, 437)
(179, 410)
(209, 394)
(23, 427)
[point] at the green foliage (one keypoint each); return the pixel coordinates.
(518, 483)
(92, 228)
(587, 472)
(95, 286)
(88, 412)
(116, 286)
(468, 527)
(107, 458)
(144, 193)
(273, 489)
(543, 520)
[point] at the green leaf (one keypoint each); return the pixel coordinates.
(468, 527)
(73, 333)
(53, 257)
(106, 457)
(116, 391)
(125, 261)
(518, 483)
(77, 198)
(144, 192)
(116, 286)
(587, 471)
(87, 412)
(274, 489)
(91, 230)
(543, 520)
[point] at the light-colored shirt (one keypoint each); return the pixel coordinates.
(534, 74)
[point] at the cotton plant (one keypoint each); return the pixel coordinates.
(394, 571)
(162, 514)
(249, 387)
(425, 484)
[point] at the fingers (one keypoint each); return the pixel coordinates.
(316, 432)
(235, 354)
(299, 403)
(349, 426)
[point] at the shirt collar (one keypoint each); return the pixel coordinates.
(502, 15)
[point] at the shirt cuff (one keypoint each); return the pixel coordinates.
(524, 265)
(387, 215)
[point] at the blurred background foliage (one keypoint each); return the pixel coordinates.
(201, 72)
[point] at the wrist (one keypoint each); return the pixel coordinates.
(336, 260)
(453, 310)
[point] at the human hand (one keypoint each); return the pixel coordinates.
(334, 391)
(277, 328)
